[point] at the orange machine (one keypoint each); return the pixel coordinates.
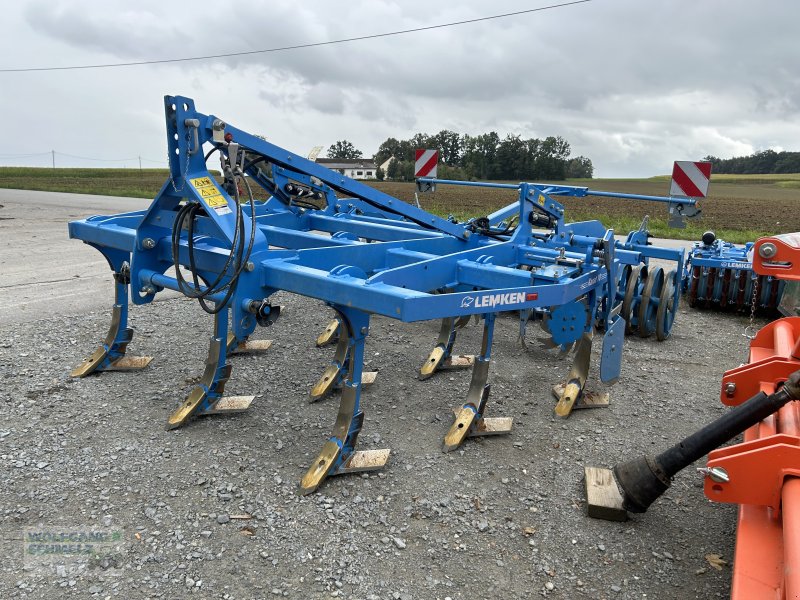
(762, 474)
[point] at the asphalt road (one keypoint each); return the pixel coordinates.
(44, 273)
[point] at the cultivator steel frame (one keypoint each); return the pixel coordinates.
(720, 275)
(365, 253)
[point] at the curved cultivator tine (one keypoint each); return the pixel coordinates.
(469, 418)
(110, 356)
(576, 380)
(330, 335)
(441, 356)
(338, 455)
(206, 397)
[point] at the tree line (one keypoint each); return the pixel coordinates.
(760, 163)
(484, 156)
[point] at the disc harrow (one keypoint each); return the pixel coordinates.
(719, 275)
(362, 252)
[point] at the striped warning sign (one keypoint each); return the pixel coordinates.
(690, 179)
(425, 163)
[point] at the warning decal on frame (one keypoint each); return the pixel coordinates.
(215, 201)
(201, 182)
(207, 192)
(219, 204)
(211, 195)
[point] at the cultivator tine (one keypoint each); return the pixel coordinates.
(330, 335)
(469, 418)
(440, 357)
(576, 380)
(338, 455)
(206, 397)
(334, 372)
(110, 356)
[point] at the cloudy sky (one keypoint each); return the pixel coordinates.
(632, 84)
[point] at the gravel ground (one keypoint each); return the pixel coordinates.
(504, 517)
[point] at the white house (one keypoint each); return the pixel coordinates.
(355, 168)
(385, 166)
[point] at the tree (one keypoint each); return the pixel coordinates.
(343, 149)
(450, 146)
(551, 162)
(579, 167)
(763, 162)
(480, 155)
(512, 158)
(379, 174)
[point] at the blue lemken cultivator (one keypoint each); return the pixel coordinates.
(363, 252)
(720, 275)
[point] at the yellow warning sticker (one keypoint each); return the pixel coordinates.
(207, 192)
(541, 200)
(201, 182)
(215, 201)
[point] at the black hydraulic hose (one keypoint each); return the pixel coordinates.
(238, 256)
(242, 256)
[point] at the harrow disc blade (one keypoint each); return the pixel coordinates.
(630, 300)
(648, 305)
(665, 315)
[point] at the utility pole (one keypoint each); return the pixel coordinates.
(53, 152)
(140, 165)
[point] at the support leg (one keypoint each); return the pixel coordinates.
(110, 356)
(338, 455)
(470, 420)
(206, 397)
(441, 355)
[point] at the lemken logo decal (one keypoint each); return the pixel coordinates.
(491, 300)
(736, 265)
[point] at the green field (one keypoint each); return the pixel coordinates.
(740, 207)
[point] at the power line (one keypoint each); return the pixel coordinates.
(296, 47)
(95, 159)
(91, 158)
(24, 155)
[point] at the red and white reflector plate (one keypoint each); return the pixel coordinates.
(425, 163)
(690, 179)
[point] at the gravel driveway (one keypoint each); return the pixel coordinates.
(212, 511)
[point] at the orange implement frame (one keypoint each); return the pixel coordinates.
(764, 471)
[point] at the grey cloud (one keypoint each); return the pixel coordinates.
(631, 84)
